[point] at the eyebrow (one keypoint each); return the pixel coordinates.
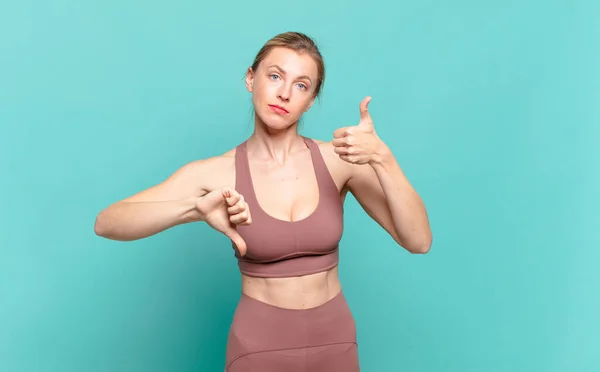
(283, 72)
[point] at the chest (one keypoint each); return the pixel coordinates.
(289, 192)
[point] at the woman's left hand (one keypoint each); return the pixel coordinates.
(359, 144)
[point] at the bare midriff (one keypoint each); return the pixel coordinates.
(298, 292)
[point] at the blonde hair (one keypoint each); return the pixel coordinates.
(300, 43)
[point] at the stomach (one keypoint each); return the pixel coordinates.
(299, 292)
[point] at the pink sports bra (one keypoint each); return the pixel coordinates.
(278, 248)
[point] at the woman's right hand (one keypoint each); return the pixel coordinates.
(224, 209)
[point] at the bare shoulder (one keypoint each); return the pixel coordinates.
(331, 158)
(214, 172)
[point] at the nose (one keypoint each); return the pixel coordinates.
(284, 92)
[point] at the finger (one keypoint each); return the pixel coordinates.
(364, 109)
(233, 198)
(342, 132)
(342, 150)
(353, 159)
(239, 218)
(342, 141)
(348, 158)
(237, 208)
(226, 193)
(247, 222)
(239, 242)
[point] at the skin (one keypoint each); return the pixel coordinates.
(281, 166)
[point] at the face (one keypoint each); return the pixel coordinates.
(282, 87)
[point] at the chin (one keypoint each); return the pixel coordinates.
(277, 126)
(277, 122)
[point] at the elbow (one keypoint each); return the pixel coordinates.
(101, 226)
(419, 246)
(420, 249)
(99, 229)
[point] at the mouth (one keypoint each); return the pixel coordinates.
(278, 109)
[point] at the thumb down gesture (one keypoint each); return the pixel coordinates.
(225, 209)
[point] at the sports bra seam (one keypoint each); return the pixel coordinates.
(299, 255)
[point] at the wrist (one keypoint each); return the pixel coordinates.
(382, 155)
(191, 209)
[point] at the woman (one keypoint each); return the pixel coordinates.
(279, 197)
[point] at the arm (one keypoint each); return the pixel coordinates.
(170, 203)
(385, 193)
(379, 185)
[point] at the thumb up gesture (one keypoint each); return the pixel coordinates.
(224, 209)
(358, 144)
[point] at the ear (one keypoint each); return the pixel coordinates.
(249, 79)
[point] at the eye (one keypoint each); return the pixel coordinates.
(302, 86)
(273, 76)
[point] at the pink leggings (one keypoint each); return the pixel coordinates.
(268, 338)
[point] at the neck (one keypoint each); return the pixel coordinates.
(274, 145)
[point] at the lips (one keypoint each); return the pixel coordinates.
(278, 109)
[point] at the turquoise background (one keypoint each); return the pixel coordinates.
(491, 107)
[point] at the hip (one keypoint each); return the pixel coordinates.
(321, 338)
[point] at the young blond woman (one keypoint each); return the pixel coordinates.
(279, 197)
